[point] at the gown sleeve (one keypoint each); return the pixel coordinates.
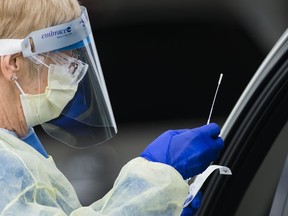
(142, 188)
(32, 185)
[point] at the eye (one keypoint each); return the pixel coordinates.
(75, 54)
(73, 67)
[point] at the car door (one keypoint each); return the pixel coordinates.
(256, 144)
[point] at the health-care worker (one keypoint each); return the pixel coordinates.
(50, 75)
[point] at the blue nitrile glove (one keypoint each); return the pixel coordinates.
(191, 209)
(189, 151)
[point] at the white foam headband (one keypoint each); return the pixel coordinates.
(10, 46)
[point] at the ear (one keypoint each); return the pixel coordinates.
(10, 65)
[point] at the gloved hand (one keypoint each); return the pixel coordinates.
(189, 151)
(191, 209)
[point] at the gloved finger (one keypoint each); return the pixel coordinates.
(212, 129)
(180, 131)
(220, 142)
(194, 206)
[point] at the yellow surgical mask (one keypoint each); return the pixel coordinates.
(44, 107)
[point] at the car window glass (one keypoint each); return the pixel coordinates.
(260, 193)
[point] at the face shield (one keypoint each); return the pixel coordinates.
(87, 119)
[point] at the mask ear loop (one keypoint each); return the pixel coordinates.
(33, 59)
(14, 78)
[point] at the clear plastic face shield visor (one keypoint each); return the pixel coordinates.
(87, 119)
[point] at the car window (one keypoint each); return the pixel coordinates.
(259, 196)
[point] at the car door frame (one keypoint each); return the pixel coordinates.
(249, 131)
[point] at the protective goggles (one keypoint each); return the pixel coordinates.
(88, 118)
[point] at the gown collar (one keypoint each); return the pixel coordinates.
(31, 139)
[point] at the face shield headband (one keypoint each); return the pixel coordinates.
(88, 118)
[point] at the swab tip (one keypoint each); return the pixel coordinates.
(220, 78)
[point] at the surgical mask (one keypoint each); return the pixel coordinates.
(62, 85)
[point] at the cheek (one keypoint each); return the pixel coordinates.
(43, 81)
(37, 83)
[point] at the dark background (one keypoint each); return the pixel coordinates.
(161, 61)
